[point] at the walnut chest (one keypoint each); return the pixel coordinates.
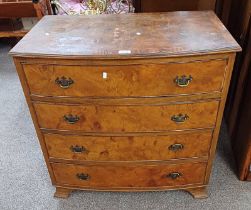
(129, 102)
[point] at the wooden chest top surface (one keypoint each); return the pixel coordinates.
(128, 35)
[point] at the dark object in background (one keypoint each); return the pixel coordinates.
(238, 106)
(10, 24)
(54, 8)
(10, 9)
(220, 7)
(173, 5)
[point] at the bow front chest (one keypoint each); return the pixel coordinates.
(129, 102)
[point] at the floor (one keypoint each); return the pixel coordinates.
(25, 184)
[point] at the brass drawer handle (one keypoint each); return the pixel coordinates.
(183, 81)
(63, 82)
(83, 177)
(176, 147)
(71, 119)
(174, 175)
(180, 118)
(78, 149)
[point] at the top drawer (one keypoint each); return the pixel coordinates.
(126, 80)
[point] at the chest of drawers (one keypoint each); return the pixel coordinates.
(127, 102)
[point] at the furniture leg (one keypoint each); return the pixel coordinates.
(198, 193)
(62, 192)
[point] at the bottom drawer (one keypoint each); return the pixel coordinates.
(129, 176)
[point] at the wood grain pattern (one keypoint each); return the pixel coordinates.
(128, 80)
(127, 35)
(131, 148)
(129, 176)
(127, 118)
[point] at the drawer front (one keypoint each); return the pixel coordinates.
(130, 148)
(129, 176)
(127, 118)
(126, 81)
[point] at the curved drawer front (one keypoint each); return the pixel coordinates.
(127, 118)
(131, 148)
(104, 176)
(126, 80)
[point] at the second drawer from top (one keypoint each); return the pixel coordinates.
(144, 118)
